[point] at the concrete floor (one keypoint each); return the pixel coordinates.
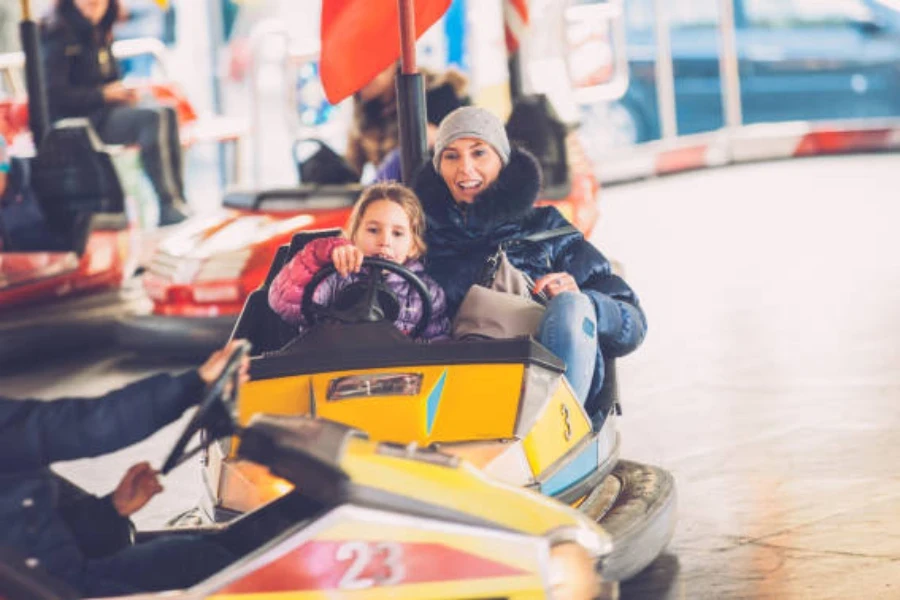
(769, 382)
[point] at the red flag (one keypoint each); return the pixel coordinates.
(361, 38)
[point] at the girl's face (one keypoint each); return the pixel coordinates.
(384, 231)
(468, 167)
(92, 10)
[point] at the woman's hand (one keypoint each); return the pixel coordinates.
(555, 283)
(347, 259)
(117, 93)
(140, 483)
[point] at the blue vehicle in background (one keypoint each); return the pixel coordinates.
(798, 60)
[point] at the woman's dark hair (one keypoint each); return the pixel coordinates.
(67, 7)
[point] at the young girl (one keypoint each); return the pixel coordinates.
(387, 222)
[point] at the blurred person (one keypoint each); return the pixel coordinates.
(87, 541)
(84, 80)
(375, 130)
(23, 227)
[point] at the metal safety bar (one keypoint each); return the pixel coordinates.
(12, 64)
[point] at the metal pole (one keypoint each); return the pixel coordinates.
(516, 90)
(729, 70)
(407, 36)
(262, 30)
(665, 73)
(216, 42)
(38, 111)
(410, 97)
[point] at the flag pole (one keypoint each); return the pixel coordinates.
(410, 97)
(38, 113)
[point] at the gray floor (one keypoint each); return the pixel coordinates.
(768, 384)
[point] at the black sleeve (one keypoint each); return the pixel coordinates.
(98, 528)
(64, 96)
(35, 433)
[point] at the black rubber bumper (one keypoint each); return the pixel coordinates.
(173, 336)
(57, 326)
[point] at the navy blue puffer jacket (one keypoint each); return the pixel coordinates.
(35, 434)
(461, 237)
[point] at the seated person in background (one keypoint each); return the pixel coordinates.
(440, 101)
(374, 132)
(23, 227)
(84, 80)
(387, 222)
(83, 540)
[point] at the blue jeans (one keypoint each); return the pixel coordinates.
(569, 330)
(166, 563)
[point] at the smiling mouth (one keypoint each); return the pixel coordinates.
(469, 186)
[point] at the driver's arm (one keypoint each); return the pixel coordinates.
(35, 433)
(287, 289)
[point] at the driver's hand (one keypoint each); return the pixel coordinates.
(212, 368)
(347, 259)
(141, 482)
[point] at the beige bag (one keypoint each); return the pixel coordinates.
(506, 309)
(500, 304)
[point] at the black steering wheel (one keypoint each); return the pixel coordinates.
(371, 303)
(213, 412)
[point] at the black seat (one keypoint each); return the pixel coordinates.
(535, 125)
(26, 227)
(74, 180)
(73, 173)
(258, 323)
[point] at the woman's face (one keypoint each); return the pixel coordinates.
(92, 10)
(384, 231)
(468, 167)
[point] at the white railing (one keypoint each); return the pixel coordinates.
(12, 64)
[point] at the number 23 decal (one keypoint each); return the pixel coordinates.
(381, 562)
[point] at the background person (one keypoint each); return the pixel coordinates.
(83, 540)
(84, 80)
(478, 193)
(23, 227)
(375, 131)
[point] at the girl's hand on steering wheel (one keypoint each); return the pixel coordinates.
(347, 259)
(555, 283)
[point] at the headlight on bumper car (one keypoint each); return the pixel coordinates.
(380, 384)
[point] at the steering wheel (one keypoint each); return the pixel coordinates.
(368, 307)
(212, 413)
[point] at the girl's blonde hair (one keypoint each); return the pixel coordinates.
(403, 197)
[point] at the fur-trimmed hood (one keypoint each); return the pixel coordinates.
(508, 200)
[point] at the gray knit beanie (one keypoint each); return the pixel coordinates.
(471, 122)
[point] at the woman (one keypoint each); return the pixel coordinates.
(84, 80)
(479, 193)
